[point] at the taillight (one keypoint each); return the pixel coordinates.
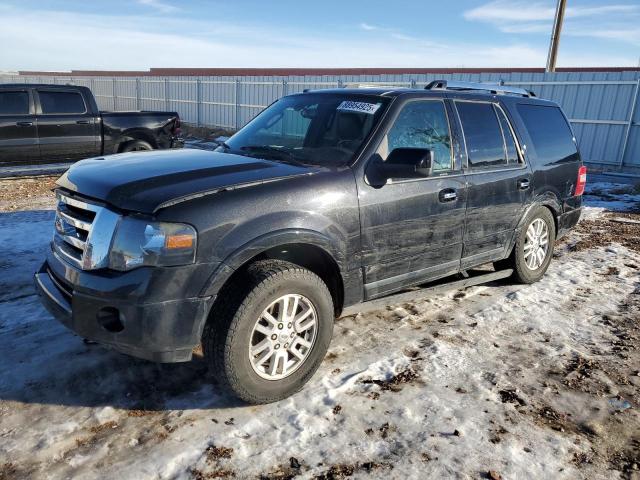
(582, 181)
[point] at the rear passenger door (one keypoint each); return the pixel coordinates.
(18, 127)
(498, 181)
(66, 128)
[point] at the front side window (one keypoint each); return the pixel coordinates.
(318, 129)
(421, 124)
(482, 134)
(61, 102)
(14, 103)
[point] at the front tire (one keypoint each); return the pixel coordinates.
(533, 249)
(269, 331)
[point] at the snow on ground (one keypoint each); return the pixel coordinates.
(535, 381)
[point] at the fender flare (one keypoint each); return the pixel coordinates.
(265, 242)
(548, 200)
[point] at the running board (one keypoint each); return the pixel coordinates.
(474, 278)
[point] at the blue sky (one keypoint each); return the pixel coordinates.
(138, 34)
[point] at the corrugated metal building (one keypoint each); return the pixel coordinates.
(602, 104)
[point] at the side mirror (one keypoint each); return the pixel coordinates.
(407, 163)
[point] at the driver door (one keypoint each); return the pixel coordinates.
(412, 229)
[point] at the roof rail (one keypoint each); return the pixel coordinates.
(495, 88)
(391, 85)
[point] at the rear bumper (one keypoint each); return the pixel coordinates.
(568, 220)
(138, 323)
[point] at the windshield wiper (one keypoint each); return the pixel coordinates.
(282, 154)
(224, 145)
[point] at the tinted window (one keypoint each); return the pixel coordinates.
(14, 103)
(550, 133)
(61, 102)
(422, 125)
(482, 134)
(509, 141)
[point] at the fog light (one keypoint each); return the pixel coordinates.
(109, 319)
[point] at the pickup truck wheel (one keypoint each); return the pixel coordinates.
(136, 146)
(269, 332)
(533, 250)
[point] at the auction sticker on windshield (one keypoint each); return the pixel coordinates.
(361, 107)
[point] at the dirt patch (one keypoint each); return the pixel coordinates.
(8, 471)
(511, 395)
(140, 413)
(216, 453)
(284, 472)
(27, 193)
(396, 382)
(104, 426)
(343, 470)
(622, 228)
(200, 475)
(208, 133)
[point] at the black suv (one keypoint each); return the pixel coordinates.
(326, 201)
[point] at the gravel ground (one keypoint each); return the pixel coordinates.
(494, 381)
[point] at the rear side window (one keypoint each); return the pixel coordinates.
(61, 102)
(482, 135)
(14, 103)
(551, 135)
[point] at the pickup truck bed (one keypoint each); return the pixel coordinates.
(62, 123)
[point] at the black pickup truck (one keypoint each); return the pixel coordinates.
(323, 205)
(62, 123)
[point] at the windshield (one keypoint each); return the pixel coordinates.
(321, 129)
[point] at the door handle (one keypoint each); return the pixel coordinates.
(24, 124)
(447, 195)
(523, 184)
(83, 122)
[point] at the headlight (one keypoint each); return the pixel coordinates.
(140, 243)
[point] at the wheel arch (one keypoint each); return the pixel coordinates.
(132, 136)
(307, 249)
(551, 203)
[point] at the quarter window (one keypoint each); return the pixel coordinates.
(14, 103)
(422, 124)
(61, 102)
(551, 135)
(482, 134)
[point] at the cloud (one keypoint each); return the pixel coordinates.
(500, 11)
(49, 41)
(368, 27)
(617, 22)
(159, 6)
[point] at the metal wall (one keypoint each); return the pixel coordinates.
(602, 106)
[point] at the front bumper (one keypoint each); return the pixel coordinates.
(147, 313)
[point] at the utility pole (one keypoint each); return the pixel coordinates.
(555, 36)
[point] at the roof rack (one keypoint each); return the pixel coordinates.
(495, 88)
(391, 86)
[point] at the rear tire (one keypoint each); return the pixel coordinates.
(136, 146)
(239, 332)
(533, 250)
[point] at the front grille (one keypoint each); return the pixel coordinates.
(83, 232)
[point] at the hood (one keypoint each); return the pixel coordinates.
(146, 181)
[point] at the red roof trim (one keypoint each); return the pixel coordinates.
(174, 72)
